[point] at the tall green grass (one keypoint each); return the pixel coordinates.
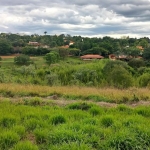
(75, 126)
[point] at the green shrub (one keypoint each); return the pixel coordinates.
(25, 145)
(124, 108)
(90, 121)
(95, 111)
(8, 139)
(22, 60)
(20, 130)
(8, 121)
(52, 79)
(136, 63)
(123, 140)
(64, 135)
(31, 124)
(41, 135)
(35, 101)
(119, 77)
(143, 111)
(110, 65)
(58, 119)
(107, 121)
(144, 80)
(82, 106)
(72, 146)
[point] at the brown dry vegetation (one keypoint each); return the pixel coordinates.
(110, 94)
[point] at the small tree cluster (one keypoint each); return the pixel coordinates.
(22, 60)
(51, 57)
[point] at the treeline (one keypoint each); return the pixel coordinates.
(12, 43)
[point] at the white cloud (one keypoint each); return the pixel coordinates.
(84, 17)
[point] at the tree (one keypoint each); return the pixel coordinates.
(51, 57)
(143, 43)
(120, 78)
(5, 47)
(45, 32)
(146, 54)
(63, 53)
(136, 63)
(22, 60)
(132, 51)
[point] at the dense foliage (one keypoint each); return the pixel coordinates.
(73, 71)
(84, 45)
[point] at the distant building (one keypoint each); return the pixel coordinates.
(34, 43)
(90, 56)
(140, 48)
(65, 46)
(71, 43)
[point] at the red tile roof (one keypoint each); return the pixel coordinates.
(90, 56)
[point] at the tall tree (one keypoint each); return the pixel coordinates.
(5, 47)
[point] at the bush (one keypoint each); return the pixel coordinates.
(111, 64)
(41, 136)
(35, 101)
(142, 111)
(22, 60)
(20, 130)
(95, 111)
(72, 146)
(8, 139)
(31, 124)
(144, 80)
(123, 140)
(51, 57)
(8, 121)
(82, 106)
(59, 119)
(25, 145)
(107, 121)
(136, 63)
(119, 77)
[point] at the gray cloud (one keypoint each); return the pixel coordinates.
(84, 17)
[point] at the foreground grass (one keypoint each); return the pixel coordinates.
(78, 126)
(74, 92)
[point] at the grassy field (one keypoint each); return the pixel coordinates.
(77, 126)
(35, 116)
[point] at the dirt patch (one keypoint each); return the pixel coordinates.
(12, 56)
(52, 100)
(31, 137)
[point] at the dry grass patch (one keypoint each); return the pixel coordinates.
(101, 94)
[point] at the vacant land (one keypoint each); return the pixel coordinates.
(74, 105)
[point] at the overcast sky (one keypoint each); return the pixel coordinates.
(98, 18)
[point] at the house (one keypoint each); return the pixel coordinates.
(34, 43)
(71, 43)
(140, 48)
(91, 56)
(112, 57)
(119, 57)
(65, 46)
